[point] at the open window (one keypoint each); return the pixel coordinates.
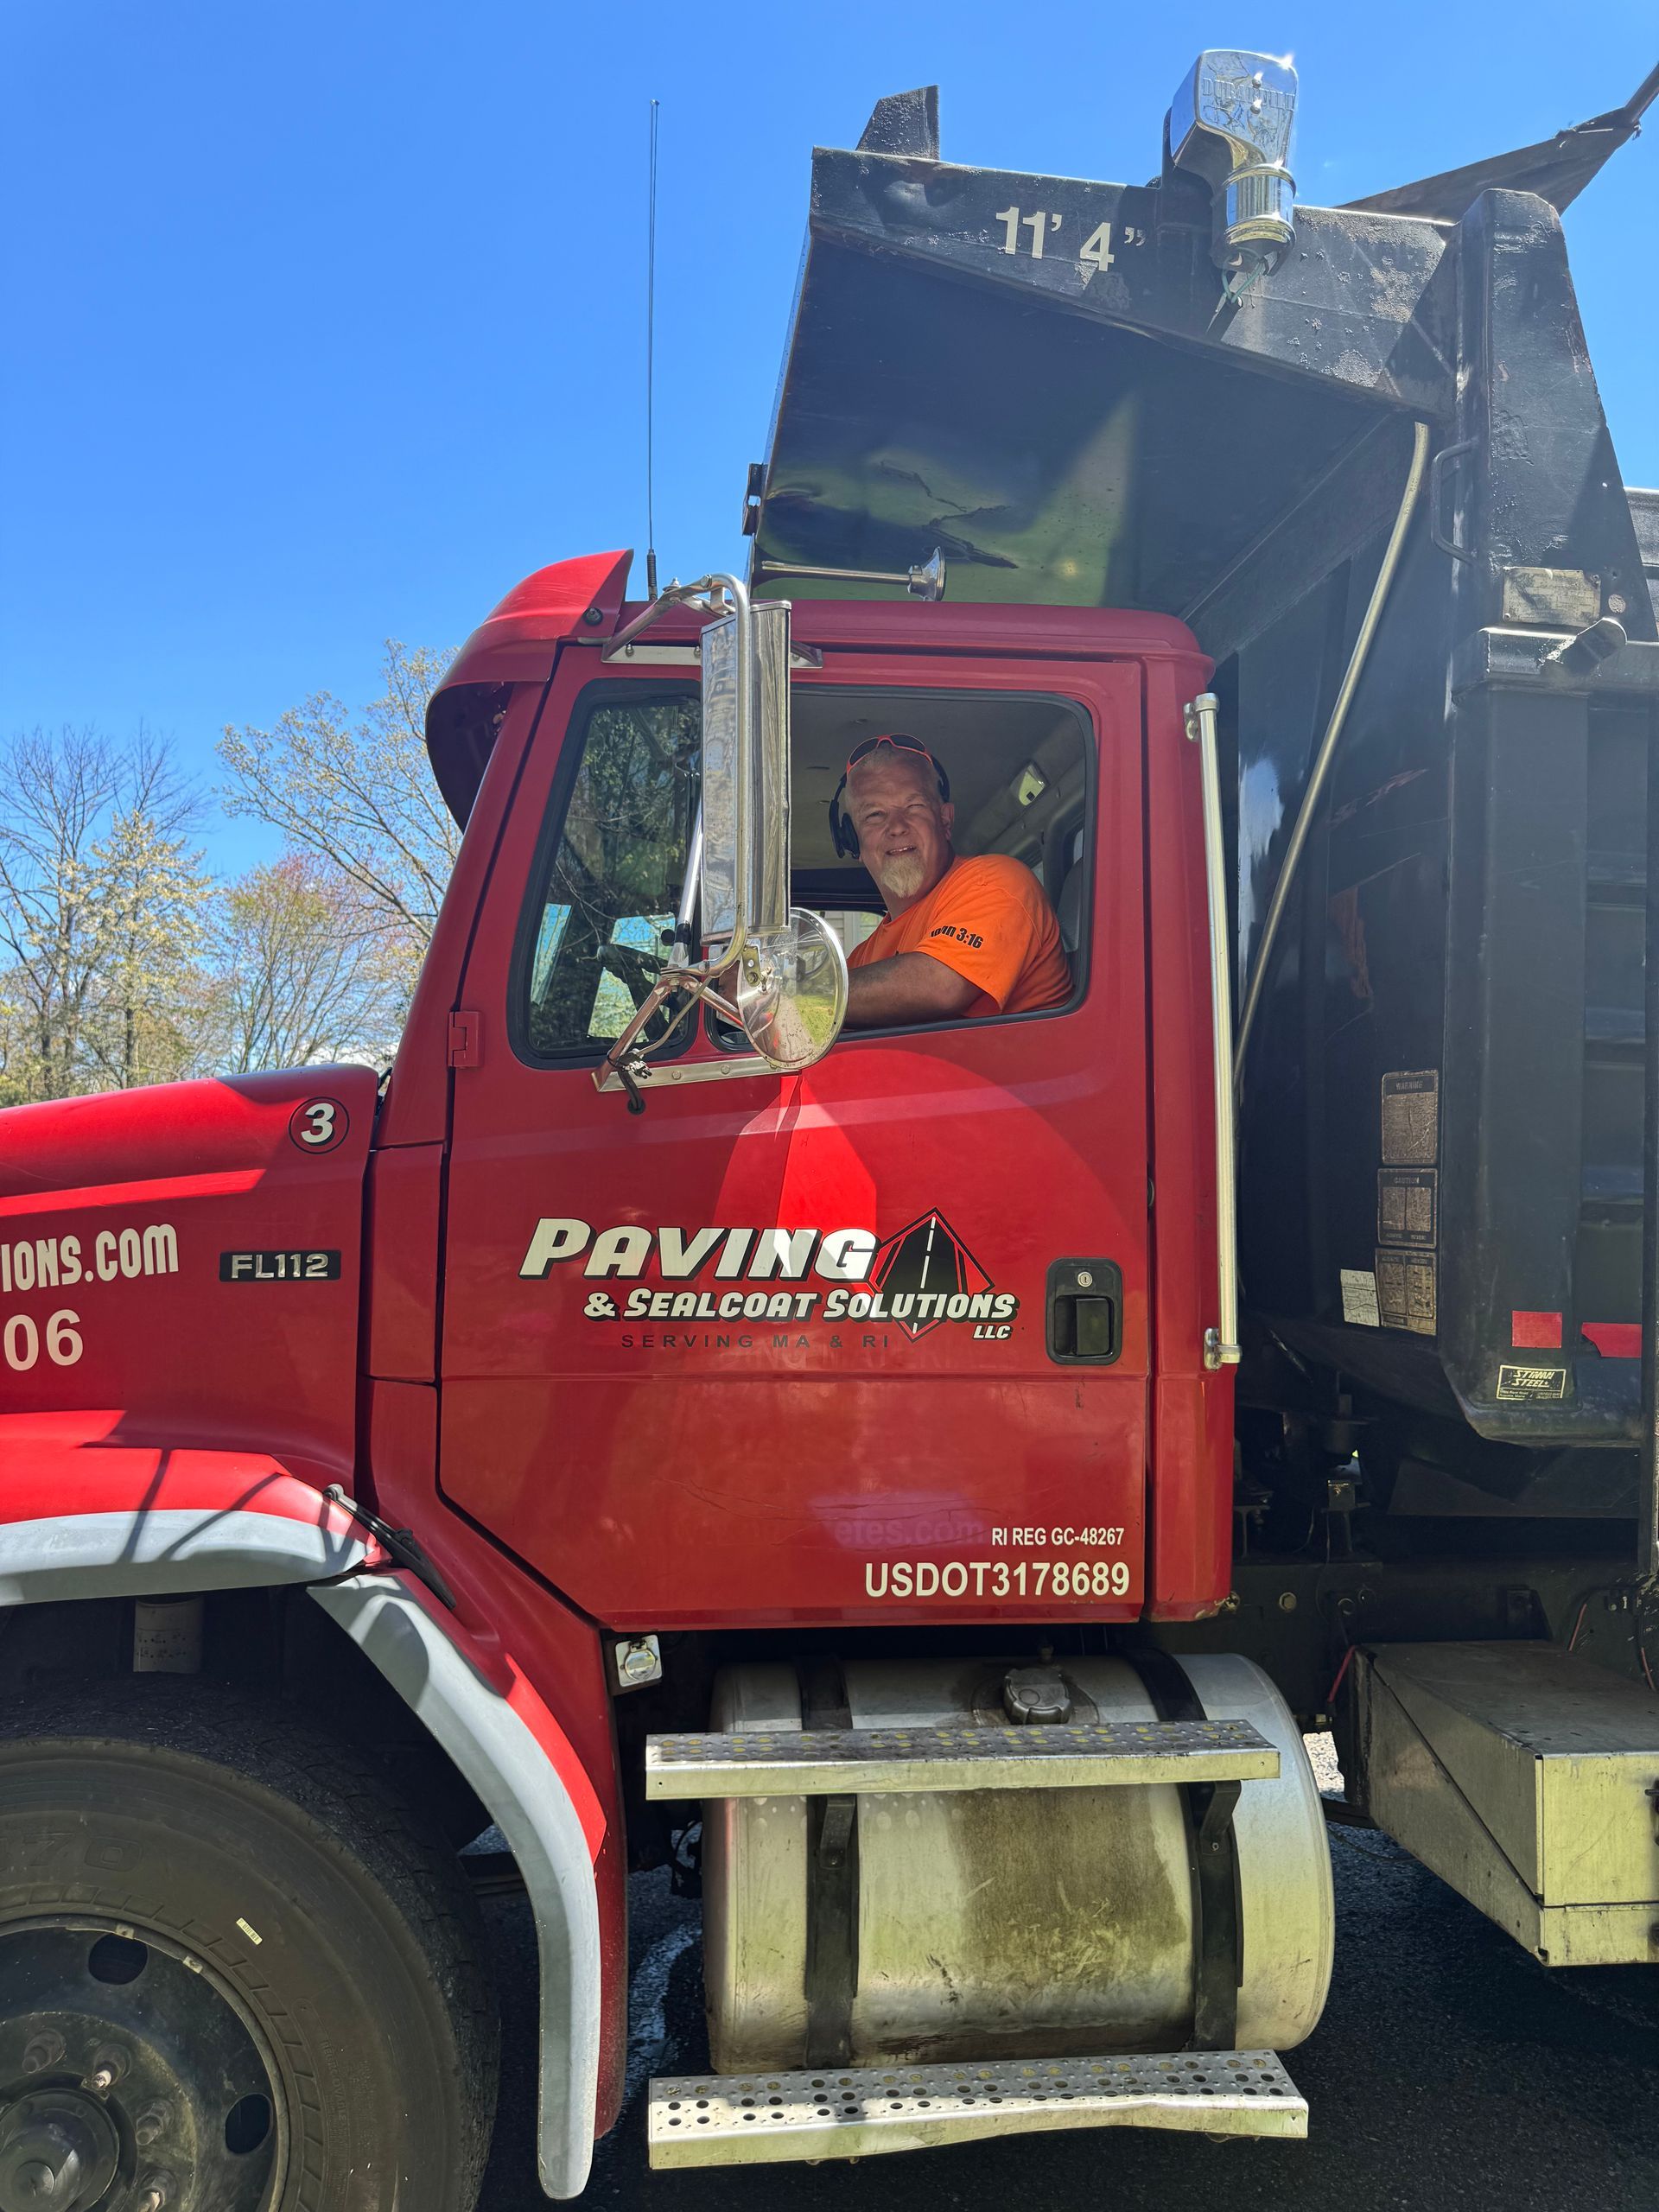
(1021, 773)
(611, 861)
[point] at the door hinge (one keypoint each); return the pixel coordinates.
(465, 1040)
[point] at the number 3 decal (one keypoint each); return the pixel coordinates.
(318, 1125)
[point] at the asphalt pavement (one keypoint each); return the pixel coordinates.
(1449, 2070)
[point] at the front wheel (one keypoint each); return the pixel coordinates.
(237, 1972)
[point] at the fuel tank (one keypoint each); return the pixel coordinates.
(189, 1257)
(1033, 1924)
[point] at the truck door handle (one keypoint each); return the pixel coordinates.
(1085, 1312)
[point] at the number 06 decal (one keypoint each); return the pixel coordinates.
(318, 1125)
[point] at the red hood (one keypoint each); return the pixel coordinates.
(188, 1257)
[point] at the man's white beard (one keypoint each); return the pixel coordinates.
(902, 877)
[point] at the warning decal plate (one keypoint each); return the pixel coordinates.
(1411, 1118)
(1408, 1206)
(1407, 1291)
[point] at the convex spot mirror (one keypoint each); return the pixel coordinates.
(791, 991)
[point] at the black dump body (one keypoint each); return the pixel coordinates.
(1442, 1102)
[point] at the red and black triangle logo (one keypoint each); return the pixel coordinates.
(926, 1260)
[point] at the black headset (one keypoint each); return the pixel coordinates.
(841, 830)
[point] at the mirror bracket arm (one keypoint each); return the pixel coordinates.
(710, 595)
(622, 1056)
(626, 1056)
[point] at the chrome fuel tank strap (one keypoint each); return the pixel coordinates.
(1212, 1855)
(831, 1978)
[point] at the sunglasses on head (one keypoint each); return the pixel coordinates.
(841, 830)
(899, 741)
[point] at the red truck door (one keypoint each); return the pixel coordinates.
(870, 1340)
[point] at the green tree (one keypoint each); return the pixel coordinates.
(145, 1014)
(102, 906)
(357, 796)
(300, 972)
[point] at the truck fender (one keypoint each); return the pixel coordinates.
(85, 1516)
(519, 1763)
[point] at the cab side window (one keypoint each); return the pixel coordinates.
(609, 881)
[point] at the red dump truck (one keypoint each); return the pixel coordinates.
(921, 1483)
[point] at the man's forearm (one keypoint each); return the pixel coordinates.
(911, 987)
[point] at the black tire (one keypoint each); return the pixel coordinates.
(195, 1820)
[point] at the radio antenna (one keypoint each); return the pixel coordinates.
(650, 364)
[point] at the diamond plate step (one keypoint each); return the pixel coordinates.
(858, 2111)
(882, 1761)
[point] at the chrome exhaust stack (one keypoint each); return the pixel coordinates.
(1230, 124)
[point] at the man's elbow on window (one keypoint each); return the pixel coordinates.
(911, 986)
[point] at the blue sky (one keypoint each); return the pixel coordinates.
(326, 321)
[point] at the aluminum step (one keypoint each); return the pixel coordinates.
(858, 2111)
(883, 1762)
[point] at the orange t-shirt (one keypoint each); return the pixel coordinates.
(988, 920)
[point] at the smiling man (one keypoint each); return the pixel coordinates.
(961, 937)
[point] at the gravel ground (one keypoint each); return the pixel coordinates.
(1450, 2070)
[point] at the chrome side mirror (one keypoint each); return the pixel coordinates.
(782, 972)
(745, 872)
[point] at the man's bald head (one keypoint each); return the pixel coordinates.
(903, 825)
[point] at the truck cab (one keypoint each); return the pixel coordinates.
(877, 1258)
